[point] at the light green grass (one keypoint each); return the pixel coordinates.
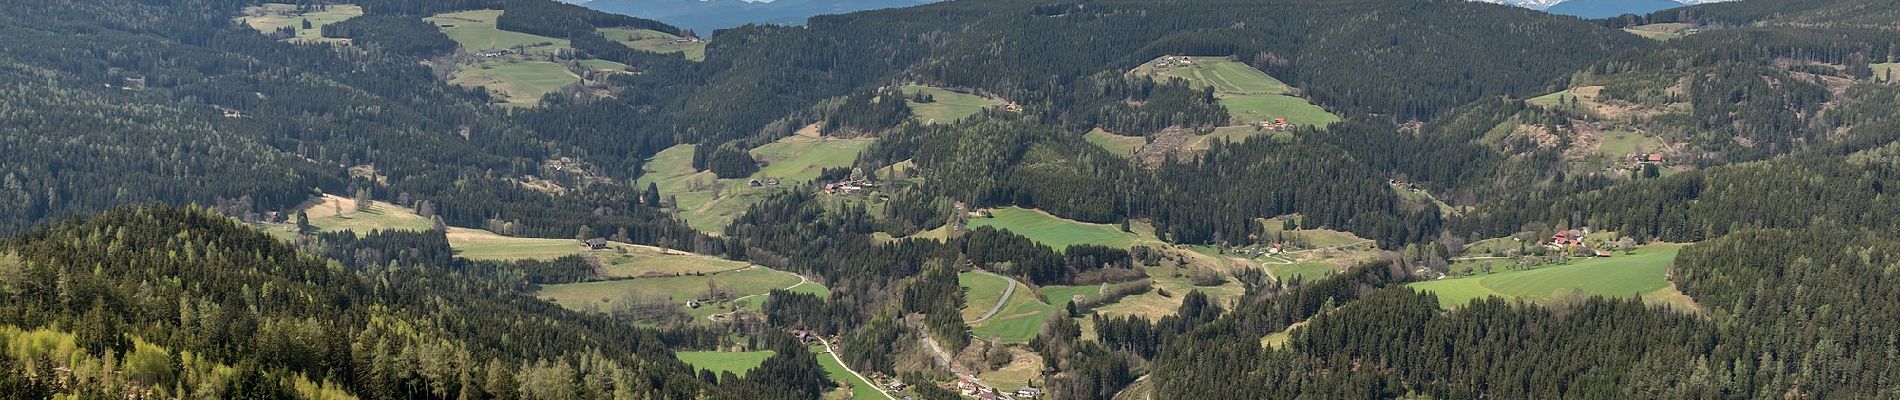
(649, 261)
(604, 65)
(268, 17)
(1117, 144)
(1250, 96)
(1060, 233)
(1553, 99)
(860, 390)
(516, 82)
(1639, 274)
(800, 158)
(980, 292)
(476, 244)
(1617, 144)
(1307, 271)
(793, 160)
(655, 41)
(475, 30)
(1662, 31)
(736, 362)
(948, 107)
(1887, 72)
(605, 294)
(1023, 316)
(380, 216)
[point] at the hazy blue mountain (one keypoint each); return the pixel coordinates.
(1610, 8)
(704, 16)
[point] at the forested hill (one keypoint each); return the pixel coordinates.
(190, 304)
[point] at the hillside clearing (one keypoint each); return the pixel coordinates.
(267, 18)
(1124, 146)
(1024, 315)
(605, 295)
(1250, 96)
(949, 106)
(515, 82)
(475, 30)
(657, 42)
(736, 362)
(1060, 233)
(981, 292)
(1640, 274)
(709, 203)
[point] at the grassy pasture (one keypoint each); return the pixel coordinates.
(380, 216)
(269, 17)
(859, 389)
(1250, 95)
(644, 260)
(1059, 232)
(517, 82)
(655, 41)
(980, 292)
(1023, 316)
(949, 106)
(793, 160)
(605, 294)
(1662, 31)
(1887, 72)
(737, 362)
(475, 30)
(1617, 144)
(1117, 144)
(1640, 274)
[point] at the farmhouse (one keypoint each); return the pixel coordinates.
(594, 244)
(1565, 238)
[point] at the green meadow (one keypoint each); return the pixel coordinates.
(1250, 95)
(860, 390)
(269, 17)
(475, 31)
(1640, 274)
(1060, 233)
(1023, 315)
(980, 293)
(516, 82)
(736, 362)
(606, 294)
(1117, 144)
(708, 203)
(949, 106)
(656, 41)
(1662, 31)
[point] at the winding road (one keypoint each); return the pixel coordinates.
(1009, 291)
(735, 302)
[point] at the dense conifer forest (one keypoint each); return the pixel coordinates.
(143, 144)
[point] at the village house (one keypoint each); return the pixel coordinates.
(1565, 238)
(594, 244)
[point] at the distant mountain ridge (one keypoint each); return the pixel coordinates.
(1600, 8)
(1609, 8)
(705, 16)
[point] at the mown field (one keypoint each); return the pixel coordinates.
(475, 30)
(1119, 145)
(1061, 233)
(708, 203)
(736, 362)
(980, 292)
(858, 388)
(949, 106)
(604, 295)
(1024, 315)
(1250, 95)
(1887, 72)
(269, 17)
(516, 82)
(656, 41)
(1641, 274)
(1662, 31)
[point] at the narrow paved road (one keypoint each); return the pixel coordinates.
(847, 368)
(1009, 291)
(735, 302)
